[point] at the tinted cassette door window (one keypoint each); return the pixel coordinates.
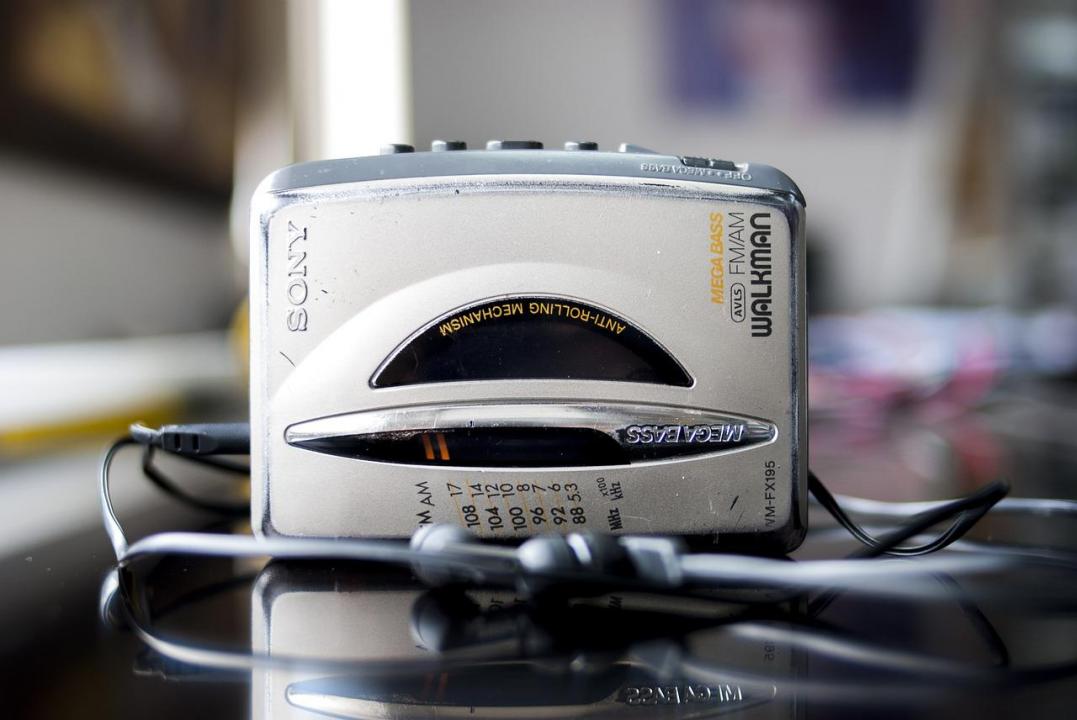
(531, 337)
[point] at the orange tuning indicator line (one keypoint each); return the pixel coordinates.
(428, 447)
(443, 447)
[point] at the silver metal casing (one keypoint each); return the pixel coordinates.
(352, 260)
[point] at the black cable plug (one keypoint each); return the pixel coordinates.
(232, 438)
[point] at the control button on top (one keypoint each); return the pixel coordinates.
(724, 165)
(514, 145)
(699, 162)
(444, 145)
(396, 149)
(581, 145)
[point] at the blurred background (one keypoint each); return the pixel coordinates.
(936, 143)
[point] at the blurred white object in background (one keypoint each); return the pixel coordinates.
(67, 386)
(363, 54)
(336, 83)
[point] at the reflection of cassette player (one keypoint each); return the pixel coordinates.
(496, 660)
(519, 341)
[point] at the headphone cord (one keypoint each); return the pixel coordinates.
(199, 442)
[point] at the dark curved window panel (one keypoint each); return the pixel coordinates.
(479, 447)
(530, 338)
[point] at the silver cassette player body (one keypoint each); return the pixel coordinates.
(526, 341)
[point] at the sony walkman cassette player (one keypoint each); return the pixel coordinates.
(518, 340)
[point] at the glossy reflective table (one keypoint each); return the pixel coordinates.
(306, 640)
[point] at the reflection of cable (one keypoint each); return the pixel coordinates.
(917, 670)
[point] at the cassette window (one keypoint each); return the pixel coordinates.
(532, 337)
